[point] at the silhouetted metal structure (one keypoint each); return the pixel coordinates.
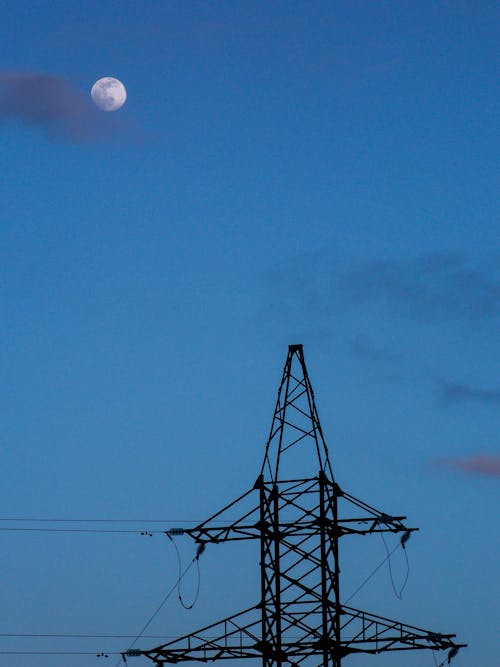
(298, 513)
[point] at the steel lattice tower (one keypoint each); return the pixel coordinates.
(298, 515)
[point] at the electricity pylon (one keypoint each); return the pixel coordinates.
(298, 513)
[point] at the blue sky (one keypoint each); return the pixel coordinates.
(282, 172)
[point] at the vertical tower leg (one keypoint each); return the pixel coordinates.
(330, 589)
(272, 653)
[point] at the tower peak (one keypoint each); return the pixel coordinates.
(295, 427)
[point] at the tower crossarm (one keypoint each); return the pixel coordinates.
(363, 632)
(239, 520)
(235, 521)
(236, 636)
(239, 636)
(368, 525)
(369, 519)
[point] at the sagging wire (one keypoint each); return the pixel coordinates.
(133, 651)
(404, 539)
(451, 654)
(200, 549)
(441, 664)
(372, 574)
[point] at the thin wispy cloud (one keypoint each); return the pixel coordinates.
(366, 351)
(434, 287)
(453, 393)
(484, 465)
(431, 288)
(54, 105)
(427, 290)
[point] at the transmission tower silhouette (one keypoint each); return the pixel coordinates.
(298, 513)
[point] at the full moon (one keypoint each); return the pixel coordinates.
(108, 93)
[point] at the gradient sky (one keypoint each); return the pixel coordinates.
(282, 172)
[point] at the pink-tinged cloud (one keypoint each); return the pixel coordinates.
(486, 465)
(53, 105)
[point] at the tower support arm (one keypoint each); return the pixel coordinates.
(236, 636)
(372, 520)
(223, 527)
(363, 632)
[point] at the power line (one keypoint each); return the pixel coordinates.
(181, 576)
(19, 635)
(398, 594)
(107, 653)
(82, 520)
(23, 529)
(77, 636)
(158, 609)
(179, 564)
(372, 574)
(91, 530)
(97, 654)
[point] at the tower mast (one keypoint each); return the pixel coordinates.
(298, 514)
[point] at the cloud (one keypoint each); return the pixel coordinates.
(433, 287)
(54, 105)
(367, 352)
(461, 393)
(485, 465)
(430, 288)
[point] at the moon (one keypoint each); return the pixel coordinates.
(108, 93)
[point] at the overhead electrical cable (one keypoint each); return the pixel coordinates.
(106, 653)
(48, 635)
(25, 529)
(158, 609)
(32, 635)
(179, 564)
(82, 520)
(99, 655)
(398, 594)
(372, 574)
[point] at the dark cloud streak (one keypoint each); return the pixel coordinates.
(461, 393)
(54, 105)
(367, 352)
(431, 288)
(435, 287)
